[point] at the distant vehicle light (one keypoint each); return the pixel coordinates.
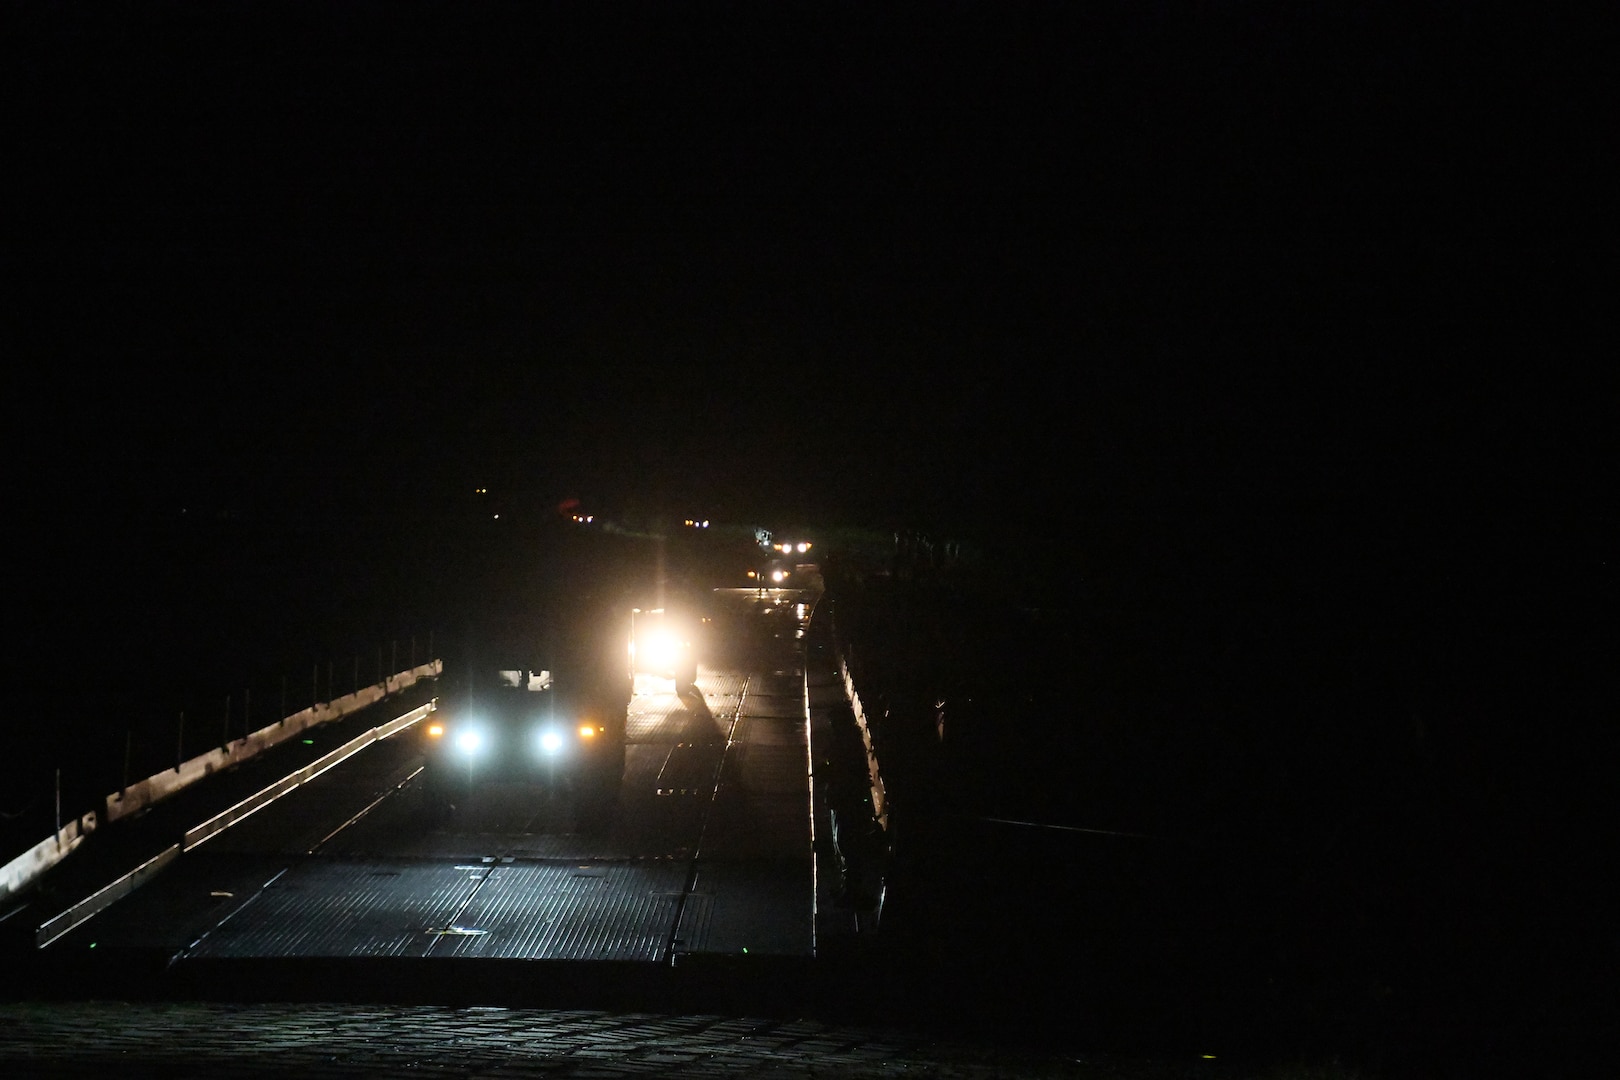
(753, 574)
(586, 731)
(778, 576)
(468, 742)
(435, 731)
(551, 741)
(802, 547)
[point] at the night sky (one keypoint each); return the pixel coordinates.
(834, 261)
(1263, 281)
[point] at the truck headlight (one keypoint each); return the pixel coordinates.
(551, 741)
(469, 741)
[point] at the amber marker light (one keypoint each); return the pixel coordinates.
(586, 731)
(436, 730)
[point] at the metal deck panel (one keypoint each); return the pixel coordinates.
(669, 719)
(777, 684)
(826, 695)
(571, 846)
(566, 911)
(722, 690)
(348, 908)
(689, 770)
(768, 768)
(649, 824)
(776, 706)
(748, 824)
(757, 730)
(763, 907)
(654, 718)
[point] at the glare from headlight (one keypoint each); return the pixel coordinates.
(551, 741)
(658, 648)
(778, 575)
(468, 742)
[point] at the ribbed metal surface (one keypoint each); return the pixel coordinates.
(360, 908)
(772, 730)
(826, 693)
(722, 690)
(546, 911)
(751, 824)
(689, 770)
(762, 808)
(783, 706)
(571, 846)
(759, 907)
(654, 718)
(782, 683)
(775, 768)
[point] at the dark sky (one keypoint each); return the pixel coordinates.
(883, 261)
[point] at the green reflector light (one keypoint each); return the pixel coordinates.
(309, 742)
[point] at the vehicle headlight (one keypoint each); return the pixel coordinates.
(551, 741)
(658, 648)
(469, 741)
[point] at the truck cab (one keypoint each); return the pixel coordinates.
(549, 716)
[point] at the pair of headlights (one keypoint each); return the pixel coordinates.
(550, 739)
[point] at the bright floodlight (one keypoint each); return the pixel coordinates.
(551, 741)
(468, 742)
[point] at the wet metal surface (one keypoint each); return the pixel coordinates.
(548, 911)
(327, 908)
(756, 907)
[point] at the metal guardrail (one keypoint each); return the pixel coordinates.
(22, 871)
(153, 789)
(103, 898)
(106, 896)
(19, 873)
(256, 802)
